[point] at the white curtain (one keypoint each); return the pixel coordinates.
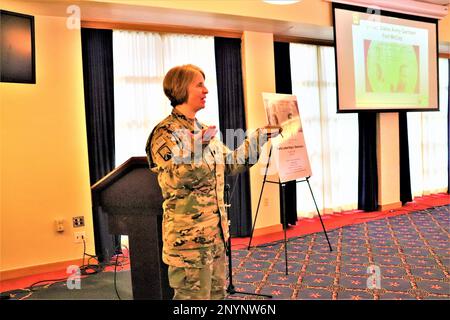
(141, 59)
(331, 138)
(428, 149)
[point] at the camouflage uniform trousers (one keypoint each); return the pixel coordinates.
(206, 283)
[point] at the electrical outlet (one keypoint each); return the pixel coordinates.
(59, 225)
(79, 236)
(78, 221)
(266, 201)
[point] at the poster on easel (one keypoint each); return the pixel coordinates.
(289, 150)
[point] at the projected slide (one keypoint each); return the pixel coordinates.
(385, 62)
(391, 63)
(391, 67)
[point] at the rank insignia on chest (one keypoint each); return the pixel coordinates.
(165, 153)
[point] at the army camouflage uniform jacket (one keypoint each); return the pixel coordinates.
(194, 217)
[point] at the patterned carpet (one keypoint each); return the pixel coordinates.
(412, 253)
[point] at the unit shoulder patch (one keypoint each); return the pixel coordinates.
(159, 142)
(165, 152)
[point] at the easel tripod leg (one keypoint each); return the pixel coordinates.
(283, 203)
(256, 216)
(320, 217)
(259, 200)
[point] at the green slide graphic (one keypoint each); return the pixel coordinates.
(391, 67)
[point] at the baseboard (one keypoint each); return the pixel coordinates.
(390, 206)
(268, 230)
(38, 269)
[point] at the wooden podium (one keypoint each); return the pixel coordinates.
(131, 197)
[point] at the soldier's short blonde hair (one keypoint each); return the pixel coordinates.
(177, 81)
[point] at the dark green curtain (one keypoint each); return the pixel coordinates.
(232, 116)
(405, 176)
(367, 162)
(99, 103)
(283, 83)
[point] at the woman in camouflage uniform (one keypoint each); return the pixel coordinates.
(191, 165)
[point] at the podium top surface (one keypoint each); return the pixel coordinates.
(120, 171)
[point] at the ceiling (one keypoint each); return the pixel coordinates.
(142, 15)
(136, 14)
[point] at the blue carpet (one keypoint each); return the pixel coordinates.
(411, 253)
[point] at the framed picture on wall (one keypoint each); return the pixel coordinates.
(17, 60)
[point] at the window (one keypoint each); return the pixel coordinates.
(141, 59)
(428, 145)
(331, 138)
